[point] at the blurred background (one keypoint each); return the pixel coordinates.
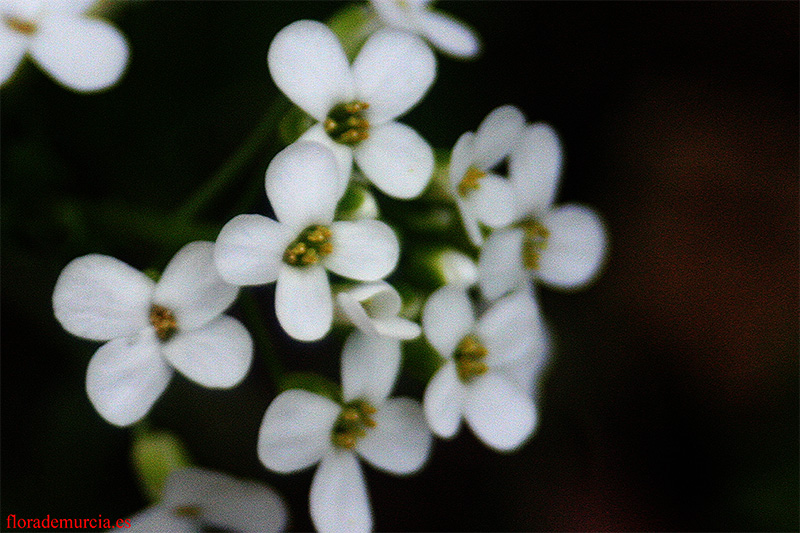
(671, 402)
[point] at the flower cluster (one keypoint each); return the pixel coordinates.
(327, 264)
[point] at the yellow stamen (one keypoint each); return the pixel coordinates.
(469, 356)
(534, 242)
(353, 423)
(163, 321)
(310, 247)
(24, 27)
(346, 123)
(471, 181)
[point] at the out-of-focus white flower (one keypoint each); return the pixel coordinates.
(563, 246)
(356, 106)
(481, 378)
(82, 53)
(301, 429)
(374, 307)
(196, 499)
(151, 328)
(444, 32)
(480, 195)
(305, 242)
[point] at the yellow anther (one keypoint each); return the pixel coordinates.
(351, 415)
(188, 511)
(353, 423)
(469, 356)
(310, 246)
(163, 322)
(344, 441)
(534, 241)
(24, 27)
(329, 125)
(346, 123)
(470, 181)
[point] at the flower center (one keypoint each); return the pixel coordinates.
(346, 123)
(469, 357)
(164, 322)
(24, 27)
(188, 511)
(352, 424)
(534, 241)
(309, 247)
(471, 181)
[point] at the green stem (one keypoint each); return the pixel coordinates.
(261, 337)
(231, 170)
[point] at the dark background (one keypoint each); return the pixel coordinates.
(672, 400)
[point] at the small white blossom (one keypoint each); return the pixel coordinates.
(483, 376)
(482, 196)
(563, 246)
(374, 307)
(82, 53)
(305, 242)
(196, 500)
(151, 328)
(444, 32)
(356, 106)
(301, 429)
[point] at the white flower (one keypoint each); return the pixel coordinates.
(297, 249)
(196, 499)
(441, 30)
(480, 195)
(374, 307)
(563, 246)
(301, 429)
(151, 328)
(480, 379)
(81, 53)
(356, 105)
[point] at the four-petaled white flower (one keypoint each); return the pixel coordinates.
(563, 246)
(480, 379)
(297, 249)
(301, 429)
(151, 328)
(196, 499)
(374, 307)
(480, 195)
(441, 30)
(84, 54)
(356, 106)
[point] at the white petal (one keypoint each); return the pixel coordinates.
(365, 250)
(218, 355)
(500, 267)
(394, 15)
(494, 201)
(192, 288)
(392, 72)
(575, 249)
(535, 168)
(226, 502)
(447, 318)
(13, 46)
(81, 53)
(249, 249)
(368, 301)
(397, 328)
(443, 401)
(396, 159)
(125, 378)
(98, 297)
(461, 158)
(500, 414)
(303, 185)
(469, 216)
(497, 135)
(308, 64)
(449, 35)
(342, 152)
(339, 502)
(370, 365)
(400, 442)
(511, 329)
(303, 302)
(160, 518)
(296, 430)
